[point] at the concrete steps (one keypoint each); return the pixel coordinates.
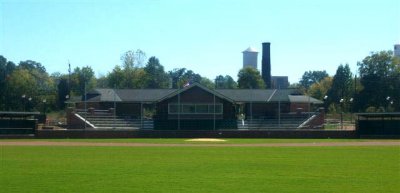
(107, 121)
(270, 124)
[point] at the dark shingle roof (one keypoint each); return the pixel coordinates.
(244, 95)
(234, 95)
(127, 95)
(104, 94)
(257, 95)
(143, 95)
(304, 99)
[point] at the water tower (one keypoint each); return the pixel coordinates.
(250, 58)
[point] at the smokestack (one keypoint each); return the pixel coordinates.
(266, 64)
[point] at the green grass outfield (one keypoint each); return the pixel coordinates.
(200, 169)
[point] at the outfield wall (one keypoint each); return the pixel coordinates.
(195, 134)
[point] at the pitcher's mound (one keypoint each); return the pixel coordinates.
(206, 140)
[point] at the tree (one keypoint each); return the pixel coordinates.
(320, 89)
(63, 92)
(28, 85)
(6, 69)
(176, 75)
(155, 74)
(189, 77)
(250, 78)
(32, 65)
(312, 77)
(380, 77)
(129, 78)
(22, 86)
(102, 82)
(341, 86)
(181, 77)
(132, 59)
(81, 79)
(207, 83)
(116, 78)
(225, 82)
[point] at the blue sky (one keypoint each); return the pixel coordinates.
(206, 36)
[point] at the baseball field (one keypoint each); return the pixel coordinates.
(177, 165)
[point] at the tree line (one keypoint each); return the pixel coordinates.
(27, 86)
(375, 87)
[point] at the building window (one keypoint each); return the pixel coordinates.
(193, 108)
(188, 108)
(201, 108)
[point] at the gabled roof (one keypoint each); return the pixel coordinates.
(232, 95)
(258, 95)
(304, 99)
(128, 95)
(197, 85)
(144, 95)
(246, 95)
(103, 94)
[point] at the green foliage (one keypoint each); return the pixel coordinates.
(81, 79)
(182, 76)
(341, 86)
(207, 83)
(225, 82)
(26, 86)
(133, 59)
(175, 76)
(332, 109)
(199, 169)
(311, 77)
(156, 77)
(102, 82)
(320, 89)
(116, 77)
(250, 78)
(22, 85)
(63, 92)
(32, 66)
(380, 77)
(6, 69)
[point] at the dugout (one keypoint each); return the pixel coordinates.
(17, 123)
(378, 124)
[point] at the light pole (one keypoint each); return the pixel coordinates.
(309, 107)
(325, 100)
(85, 104)
(29, 103)
(23, 101)
(44, 106)
(388, 103)
(341, 113)
(115, 105)
(351, 110)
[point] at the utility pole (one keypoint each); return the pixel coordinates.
(179, 108)
(214, 111)
(69, 80)
(86, 112)
(115, 105)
